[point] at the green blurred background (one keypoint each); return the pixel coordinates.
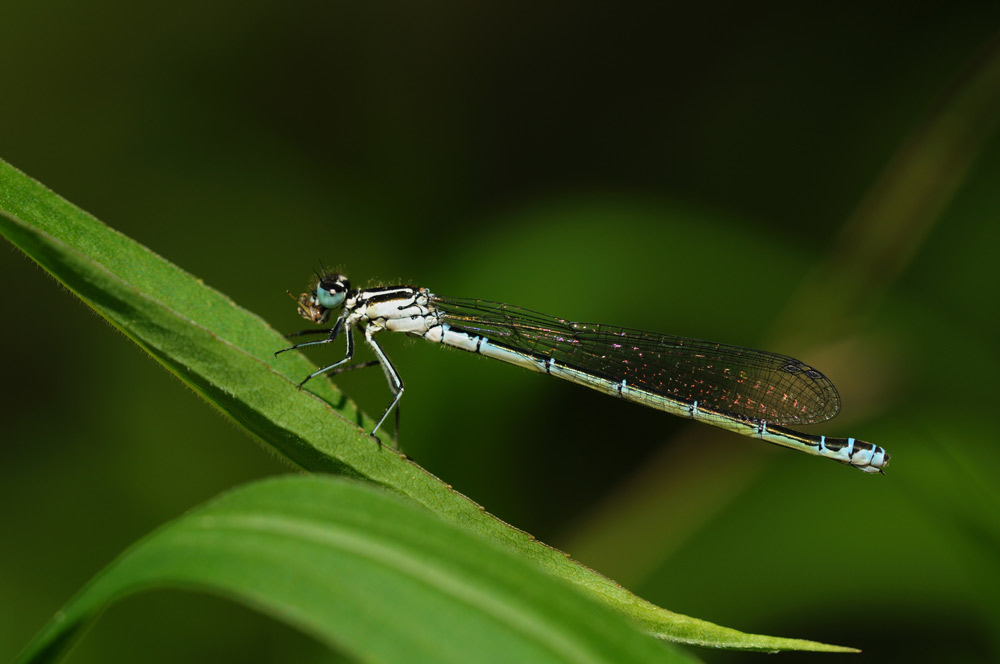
(816, 180)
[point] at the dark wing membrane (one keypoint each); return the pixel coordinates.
(743, 381)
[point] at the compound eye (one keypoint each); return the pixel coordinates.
(329, 298)
(332, 290)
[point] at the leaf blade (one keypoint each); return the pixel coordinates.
(365, 571)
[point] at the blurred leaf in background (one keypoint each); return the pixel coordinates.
(698, 170)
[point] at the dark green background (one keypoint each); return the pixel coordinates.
(664, 166)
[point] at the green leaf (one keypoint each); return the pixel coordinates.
(364, 571)
(226, 355)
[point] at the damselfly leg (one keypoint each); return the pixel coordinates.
(342, 366)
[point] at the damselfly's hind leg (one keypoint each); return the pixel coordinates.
(391, 376)
(353, 367)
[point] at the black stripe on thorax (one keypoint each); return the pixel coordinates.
(386, 294)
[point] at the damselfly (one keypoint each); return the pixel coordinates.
(751, 392)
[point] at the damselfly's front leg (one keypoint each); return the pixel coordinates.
(328, 330)
(348, 333)
(334, 333)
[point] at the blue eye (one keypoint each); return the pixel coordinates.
(329, 300)
(331, 291)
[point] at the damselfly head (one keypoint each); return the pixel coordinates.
(331, 290)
